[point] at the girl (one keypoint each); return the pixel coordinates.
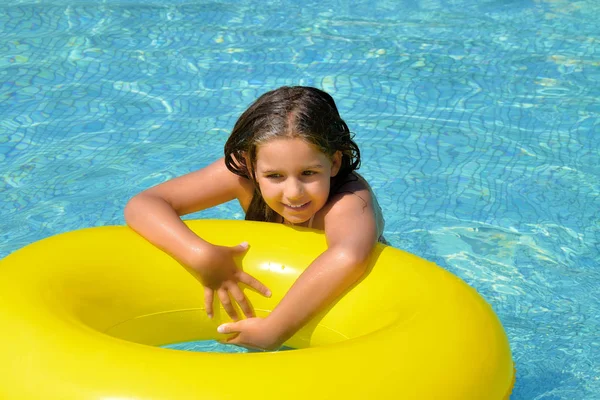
(290, 159)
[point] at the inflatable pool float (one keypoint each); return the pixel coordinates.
(83, 313)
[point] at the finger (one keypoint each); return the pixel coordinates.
(235, 340)
(209, 297)
(240, 248)
(227, 328)
(241, 299)
(227, 305)
(254, 283)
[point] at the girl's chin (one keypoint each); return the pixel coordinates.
(295, 219)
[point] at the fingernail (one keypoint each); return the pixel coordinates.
(268, 293)
(210, 316)
(221, 329)
(244, 244)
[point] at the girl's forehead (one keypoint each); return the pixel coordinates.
(288, 151)
(287, 144)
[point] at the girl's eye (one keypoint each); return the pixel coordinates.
(309, 173)
(273, 176)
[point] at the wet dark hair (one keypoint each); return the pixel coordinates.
(292, 112)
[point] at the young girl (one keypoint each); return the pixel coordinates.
(290, 159)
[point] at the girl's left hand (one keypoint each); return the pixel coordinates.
(252, 333)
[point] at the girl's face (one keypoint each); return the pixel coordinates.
(294, 177)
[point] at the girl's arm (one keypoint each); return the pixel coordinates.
(155, 214)
(351, 231)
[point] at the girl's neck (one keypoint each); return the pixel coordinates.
(307, 224)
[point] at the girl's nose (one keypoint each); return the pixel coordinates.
(293, 189)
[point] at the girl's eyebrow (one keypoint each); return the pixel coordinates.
(314, 166)
(272, 170)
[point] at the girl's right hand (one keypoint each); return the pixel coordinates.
(219, 274)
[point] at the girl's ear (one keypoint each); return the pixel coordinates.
(336, 163)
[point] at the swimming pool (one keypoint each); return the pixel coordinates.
(478, 122)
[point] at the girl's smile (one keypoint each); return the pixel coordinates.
(294, 177)
(298, 207)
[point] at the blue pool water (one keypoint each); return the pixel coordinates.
(479, 123)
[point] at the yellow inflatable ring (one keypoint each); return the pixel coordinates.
(82, 311)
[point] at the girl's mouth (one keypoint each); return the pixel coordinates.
(297, 207)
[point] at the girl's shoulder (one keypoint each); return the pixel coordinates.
(351, 196)
(353, 184)
(353, 181)
(352, 217)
